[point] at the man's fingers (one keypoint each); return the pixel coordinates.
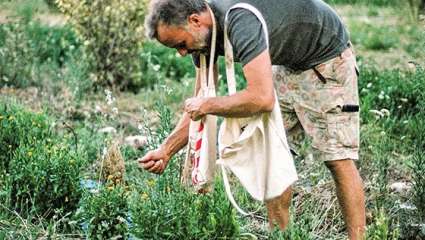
(146, 158)
(147, 165)
(157, 166)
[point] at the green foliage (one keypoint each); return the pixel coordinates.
(27, 48)
(51, 4)
(299, 229)
(17, 59)
(162, 62)
(418, 169)
(44, 178)
(173, 213)
(42, 172)
(112, 34)
(401, 92)
(382, 228)
(161, 208)
(374, 37)
(104, 213)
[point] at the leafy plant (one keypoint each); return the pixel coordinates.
(112, 33)
(42, 171)
(104, 214)
(174, 213)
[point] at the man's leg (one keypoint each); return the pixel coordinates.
(349, 189)
(278, 209)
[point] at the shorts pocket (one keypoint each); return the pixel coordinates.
(343, 129)
(331, 72)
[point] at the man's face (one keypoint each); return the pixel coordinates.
(185, 39)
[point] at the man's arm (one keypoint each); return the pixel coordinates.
(179, 137)
(175, 141)
(256, 98)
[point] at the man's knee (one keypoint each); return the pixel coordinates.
(343, 169)
(340, 165)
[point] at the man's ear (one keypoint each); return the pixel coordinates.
(194, 20)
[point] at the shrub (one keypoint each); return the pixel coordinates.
(19, 127)
(104, 214)
(44, 178)
(112, 33)
(171, 212)
(42, 172)
(17, 58)
(25, 46)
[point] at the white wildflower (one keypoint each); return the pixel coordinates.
(104, 152)
(97, 109)
(369, 85)
(156, 67)
(109, 98)
(385, 112)
(377, 113)
(407, 206)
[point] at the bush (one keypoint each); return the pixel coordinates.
(171, 212)
(26, 47)
(104, 214)
(41, 171)
(19, 127)
(17, 59)
(112, 34)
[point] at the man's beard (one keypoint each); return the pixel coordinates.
(203, 43)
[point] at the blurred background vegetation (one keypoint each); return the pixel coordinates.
(57, 58)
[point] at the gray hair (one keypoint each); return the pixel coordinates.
(170, 12)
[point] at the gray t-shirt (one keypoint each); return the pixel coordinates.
(302, 33)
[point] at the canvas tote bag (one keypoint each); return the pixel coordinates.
(201, 152)
(255, 149)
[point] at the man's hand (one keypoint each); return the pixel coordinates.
(155, 161)
(195, 107)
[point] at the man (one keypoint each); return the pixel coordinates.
(309, 62)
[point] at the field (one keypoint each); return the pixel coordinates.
(73, 91)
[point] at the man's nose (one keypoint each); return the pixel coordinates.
(182, 52)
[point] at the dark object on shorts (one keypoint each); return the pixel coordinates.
(350, 108)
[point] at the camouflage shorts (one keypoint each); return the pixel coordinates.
(322, 104)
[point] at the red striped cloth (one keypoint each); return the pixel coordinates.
(197, 155)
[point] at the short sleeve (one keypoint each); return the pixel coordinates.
(246, 35)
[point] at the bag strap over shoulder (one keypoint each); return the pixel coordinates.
(210, 81)
(228, 48)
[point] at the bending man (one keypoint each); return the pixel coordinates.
(309, 62)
